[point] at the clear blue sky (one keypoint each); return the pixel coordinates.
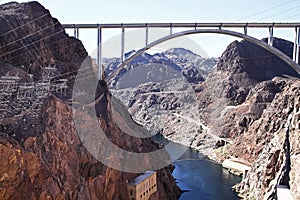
(118, 11)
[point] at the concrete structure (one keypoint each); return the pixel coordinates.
(143, 186)
(236, 166)
(283, 193)
(218, 28)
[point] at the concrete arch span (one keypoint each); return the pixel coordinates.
(253, 40)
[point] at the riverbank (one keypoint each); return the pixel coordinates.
(202, 178)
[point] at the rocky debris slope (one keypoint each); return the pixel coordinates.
(163, 107)
(47, 159)
(182, 61)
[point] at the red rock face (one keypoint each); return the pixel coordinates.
(45, 158)
(54, 163)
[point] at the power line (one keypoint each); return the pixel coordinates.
(254, 14)
(26, 36)
(48, 45)
(14, 30)
(268, 9)
(291, 16)
(23, 25)
(32, 43)
(280, 12)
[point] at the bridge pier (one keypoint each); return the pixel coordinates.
(270, 39)
(76, 31)
(147, 34)
(245, 29)
(296, 46)
(99, 52)
(123, 44)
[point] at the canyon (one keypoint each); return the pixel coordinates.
(245, 108)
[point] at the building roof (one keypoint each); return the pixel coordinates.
(140, 178)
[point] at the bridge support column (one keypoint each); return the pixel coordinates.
(245, 29)
(76, 31)
(147, 34)
(99, 53)
(270, 39)
(123, 44)
(171, 29)
(296, 45)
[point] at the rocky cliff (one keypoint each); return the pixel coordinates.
(54, 163)
(31, 40)
(43, 156)
(251, 99)
(254, 104)
(272, 143)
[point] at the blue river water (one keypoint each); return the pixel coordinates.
(203, 179)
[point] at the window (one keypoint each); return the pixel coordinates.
(131, 192)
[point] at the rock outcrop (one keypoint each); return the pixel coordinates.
(272, 143)
(45, 158)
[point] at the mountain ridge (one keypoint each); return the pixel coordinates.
(192, 66)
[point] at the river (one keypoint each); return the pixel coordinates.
(203, 179)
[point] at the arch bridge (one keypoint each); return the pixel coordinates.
(191, 28)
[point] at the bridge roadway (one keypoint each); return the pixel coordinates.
(186, 25)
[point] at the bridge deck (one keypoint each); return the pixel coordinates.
(185, 25)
